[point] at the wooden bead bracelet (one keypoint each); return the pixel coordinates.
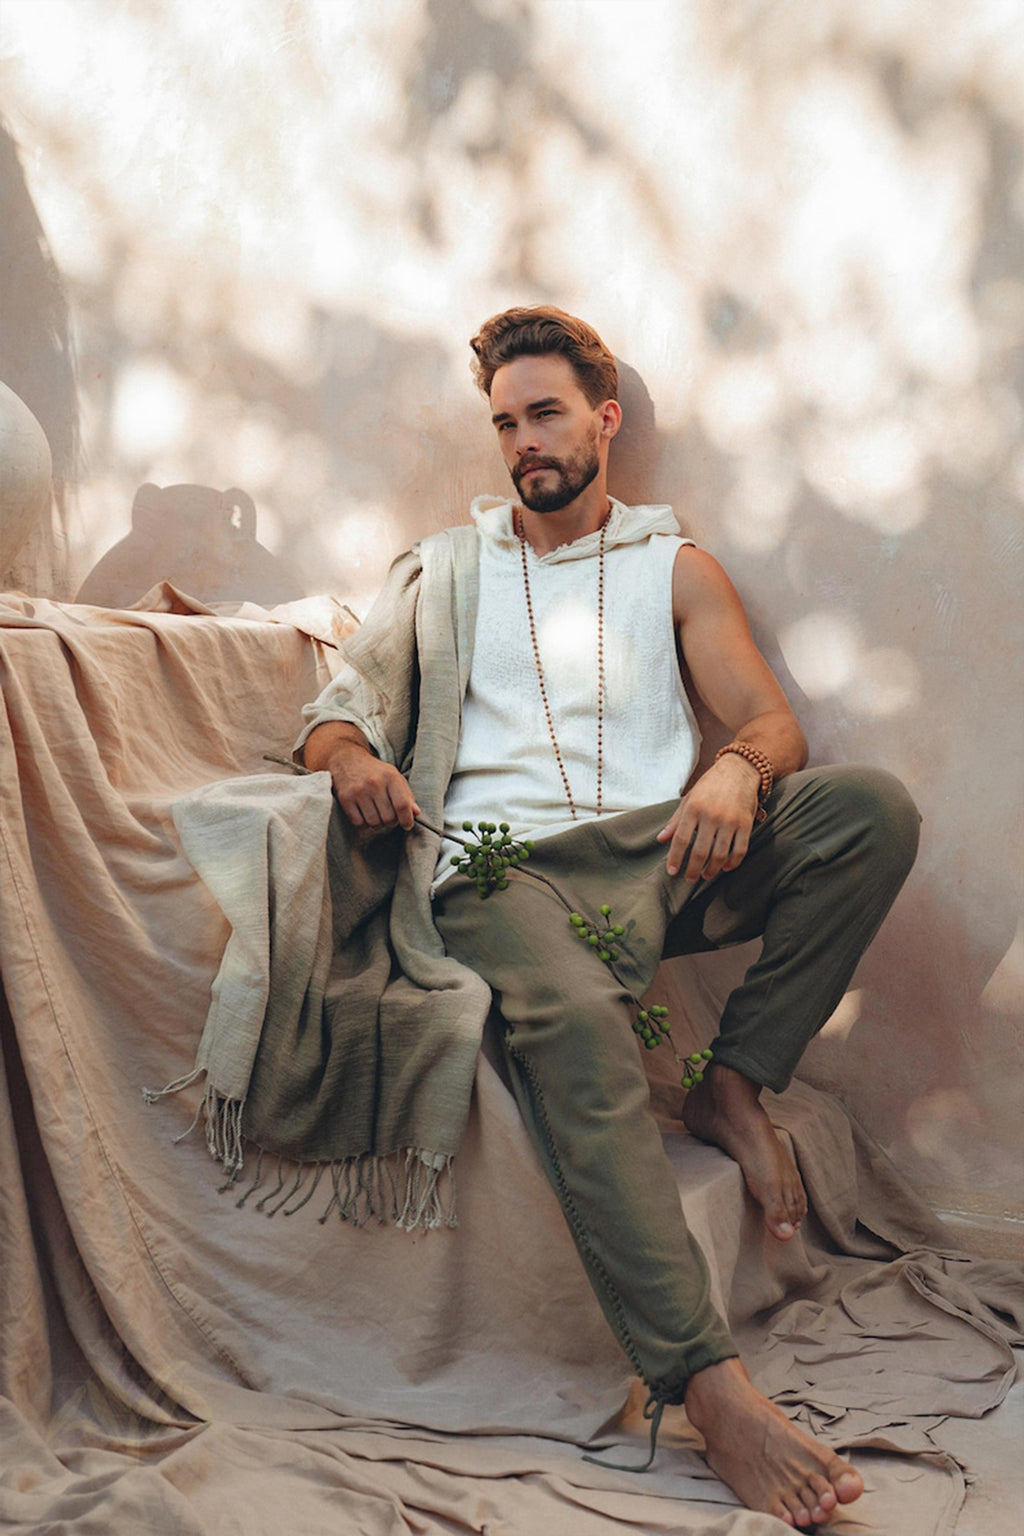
(756, 760)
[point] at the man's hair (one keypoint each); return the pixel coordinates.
(537, 331)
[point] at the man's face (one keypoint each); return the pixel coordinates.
(550, 434)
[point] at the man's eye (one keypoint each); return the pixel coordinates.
(504, 426)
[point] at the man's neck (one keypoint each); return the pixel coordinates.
(545, 531)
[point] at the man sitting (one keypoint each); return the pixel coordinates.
(575, 729)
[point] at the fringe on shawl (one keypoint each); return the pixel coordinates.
(413, 1188)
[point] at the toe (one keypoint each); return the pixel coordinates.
(812, 1506)
(781, 1512)
(849, 1485)
(796, 1510)
(779, 1224)
(820, 1496)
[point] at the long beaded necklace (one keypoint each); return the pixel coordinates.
(521, 531)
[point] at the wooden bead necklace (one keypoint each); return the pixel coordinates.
(521, 531)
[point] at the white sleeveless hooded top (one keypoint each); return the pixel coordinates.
(506, 769)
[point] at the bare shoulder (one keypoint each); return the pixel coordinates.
(718, 649)
(702, 589)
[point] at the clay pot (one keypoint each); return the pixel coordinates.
(26, 475)
(201, 540)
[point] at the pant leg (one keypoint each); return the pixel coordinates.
(821, 874)
(580, 1084)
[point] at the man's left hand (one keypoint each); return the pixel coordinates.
(710, 831)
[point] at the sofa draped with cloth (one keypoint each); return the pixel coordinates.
(170, 1363)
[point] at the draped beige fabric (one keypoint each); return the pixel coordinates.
(170, 1363)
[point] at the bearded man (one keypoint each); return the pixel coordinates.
(572, 724)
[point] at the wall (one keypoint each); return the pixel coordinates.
(278, 221)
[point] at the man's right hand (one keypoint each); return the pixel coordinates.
(371, 793)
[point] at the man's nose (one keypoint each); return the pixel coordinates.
(526, 440)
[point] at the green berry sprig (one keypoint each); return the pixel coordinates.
(602, 939)
(698, 1060)
(488, 861)
(651, 1024)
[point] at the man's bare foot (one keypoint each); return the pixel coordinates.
(725, 1110)
(768, 1462)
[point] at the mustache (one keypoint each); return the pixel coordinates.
(525, 465)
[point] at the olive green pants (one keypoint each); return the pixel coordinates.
(820, 874)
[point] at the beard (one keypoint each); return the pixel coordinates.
(573, 475)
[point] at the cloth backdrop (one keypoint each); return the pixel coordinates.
(174, 1365)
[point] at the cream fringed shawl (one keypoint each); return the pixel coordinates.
(341, 1038)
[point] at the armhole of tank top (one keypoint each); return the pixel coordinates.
(678, 660)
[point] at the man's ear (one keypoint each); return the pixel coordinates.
(611, 418)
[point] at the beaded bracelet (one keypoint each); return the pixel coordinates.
(756, 760)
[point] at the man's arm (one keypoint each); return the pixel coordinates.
(371, 793)
(375, 689)
(738, 686)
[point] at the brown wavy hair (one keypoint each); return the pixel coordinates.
(536, 331)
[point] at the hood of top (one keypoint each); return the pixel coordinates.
(626, 525)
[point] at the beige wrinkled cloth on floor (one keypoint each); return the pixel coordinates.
(174, 1365)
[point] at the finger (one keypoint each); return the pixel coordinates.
(719, 855)
(679, 852)
(682, 839)
(381, 812)
(669, 829)
(699, 854)
(401, 799)
(406, 810)
(739, 850)
(740, 847)
(351, 809)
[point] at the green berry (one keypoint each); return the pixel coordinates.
(696, 1058)
(505, 827)
(618, 930)
(651, 1044)
(576, 919)
(707, 1055)
(687, 1082)
(698, 1077)
(604, 954)
(593, 940)
(643, 1014)
(605, 910)
(467, 826)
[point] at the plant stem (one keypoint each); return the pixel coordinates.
(534, 874)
